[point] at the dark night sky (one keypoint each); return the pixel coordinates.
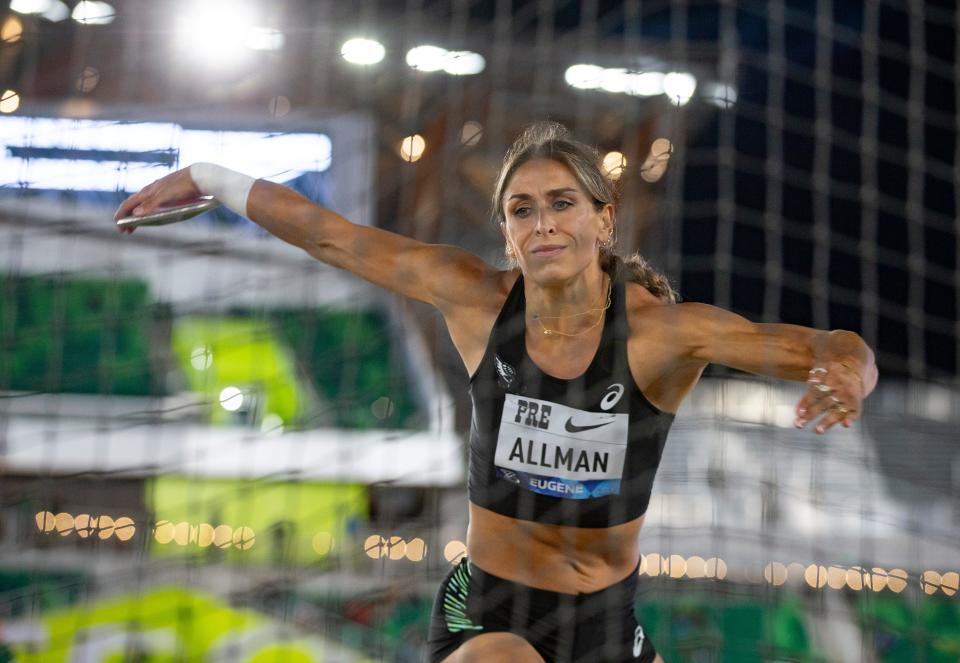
(859, 130)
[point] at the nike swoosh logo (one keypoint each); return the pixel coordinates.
(573, 428)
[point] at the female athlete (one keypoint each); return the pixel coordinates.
(578, 359)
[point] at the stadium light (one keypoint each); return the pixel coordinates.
(434, 58)
(950, 583)
(427, 58)
(696, 567)
(93, 12)
(679, 86)
(83, 525)
(57, 12)
(244, 538)
(231, 399)
(454, 551)
(106, 526)
(464, 63)
(201, 358)
(615, 80)
(416, 549)
(716, 568)
(204, 535)
(222, 35)
(31, 6)
(46, 521)
(373, 546)
(412, 148)
(9, 101)
(584, 76)
(857, 578)
(897, 580)
(614, 163)
(878, 579)
(653, 564)
(396, 548)
(362, 51)
(12, 30)
(645, 84)
(930, 581)
(264, 39)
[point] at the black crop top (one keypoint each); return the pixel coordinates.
(581, 452)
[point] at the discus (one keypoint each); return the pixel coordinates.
(169, 215)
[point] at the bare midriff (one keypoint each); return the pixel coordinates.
(570, 560)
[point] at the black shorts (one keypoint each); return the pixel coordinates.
(600, 627)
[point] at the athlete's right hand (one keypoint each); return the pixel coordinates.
(168, 191)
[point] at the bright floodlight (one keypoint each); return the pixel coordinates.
(427, 58)
(201, 358)
(92, 12)
(412, 147)
(264, 39)
(615, 80)
(362, 51)
(12, 30)
(464, 63)
(9, 101)
(661, 148)
(679, 86)
(719, 94)
(647, 84)
(56, 12)
(231, 399)
(614, 164)
(31, 6)
(214, 34)
(584, 76)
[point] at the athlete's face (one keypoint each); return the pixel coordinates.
(552, 226)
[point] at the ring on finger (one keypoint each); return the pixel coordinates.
(817, 370)
(838, 406)
(823, 388)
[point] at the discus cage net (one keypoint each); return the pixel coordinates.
(215, 448)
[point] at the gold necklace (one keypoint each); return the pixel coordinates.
(554, 332)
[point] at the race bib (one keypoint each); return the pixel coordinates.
(556, 450)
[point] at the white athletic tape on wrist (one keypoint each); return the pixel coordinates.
(228, 186)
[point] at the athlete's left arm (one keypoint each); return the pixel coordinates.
(838, 366)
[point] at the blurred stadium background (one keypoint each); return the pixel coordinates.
(214, 449)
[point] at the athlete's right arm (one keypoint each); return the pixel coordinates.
(441, 275)
(444, 276)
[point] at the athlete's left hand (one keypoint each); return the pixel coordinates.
(835, 394)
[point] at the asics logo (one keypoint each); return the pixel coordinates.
(612, 397)
(637, 641)
(571, 427)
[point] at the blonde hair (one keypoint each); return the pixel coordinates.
(552, 140)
